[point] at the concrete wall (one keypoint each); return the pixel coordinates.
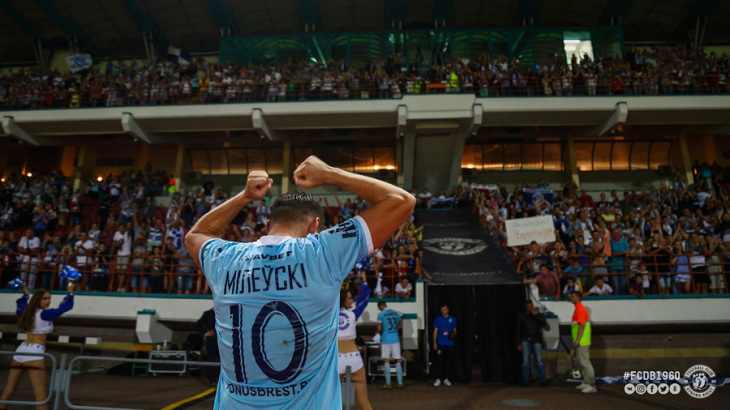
(648, 311)
(433, 163)
(124, 307)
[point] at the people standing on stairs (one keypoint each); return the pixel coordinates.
(444, 343)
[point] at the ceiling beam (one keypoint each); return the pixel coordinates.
(145, 23)
(529, 12)
(132, 127)
(261, 126)
(20, 21)
(477, 116)
(402, 121)
(309, 15)
(222, 14)
(619, 116)
(68, 25)
(10, 127)
(617, 10)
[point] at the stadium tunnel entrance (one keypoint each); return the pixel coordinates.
(487, 329)
(471, 273)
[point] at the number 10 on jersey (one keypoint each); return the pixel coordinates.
(257, 336)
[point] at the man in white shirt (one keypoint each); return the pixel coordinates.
(84, 248)
(29, 247)
(601, 288)
(403, 288)
(123, 242)
(176, 232)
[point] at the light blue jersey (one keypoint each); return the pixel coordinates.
(276, 307)
(389, 320)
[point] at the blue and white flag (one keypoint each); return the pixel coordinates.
(70, 273)
(16, 283)
(79, 62)
(178, 55)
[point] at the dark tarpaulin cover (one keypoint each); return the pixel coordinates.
(457, 250)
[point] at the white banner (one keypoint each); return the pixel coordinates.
(78, 62)
(522, 231)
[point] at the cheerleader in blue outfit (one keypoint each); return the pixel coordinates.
(35, 319)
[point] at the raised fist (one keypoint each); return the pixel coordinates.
(312, 172)
(258, 184)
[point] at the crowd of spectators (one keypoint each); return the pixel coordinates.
(645, 71)
(116, 233)
(670, 240)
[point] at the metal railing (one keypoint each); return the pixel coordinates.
(527, 85)
(149, 273)
(77, 359)
(657, 270)
(61, 375)
(348, 390)
(53, 379)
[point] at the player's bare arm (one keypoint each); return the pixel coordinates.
(214, 223)
(388, 207)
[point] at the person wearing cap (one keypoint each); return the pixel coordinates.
(277, 300)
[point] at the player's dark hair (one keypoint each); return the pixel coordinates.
(296, 208)
(382, 303)
(578, 295)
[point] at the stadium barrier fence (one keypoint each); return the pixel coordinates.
(61, 375)
(111, 272)
(53, 379)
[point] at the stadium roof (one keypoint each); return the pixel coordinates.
(115, 27)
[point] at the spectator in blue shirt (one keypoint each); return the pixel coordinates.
(574, 270)
(444, 333)
(617, 265)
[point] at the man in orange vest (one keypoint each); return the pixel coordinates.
(580, 330)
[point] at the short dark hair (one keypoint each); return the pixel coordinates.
(381, 303)
(293, 208)
(577, 294)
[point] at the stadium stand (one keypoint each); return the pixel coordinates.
(647, 71)
(122, 123)
(671, 240)
(113, 232)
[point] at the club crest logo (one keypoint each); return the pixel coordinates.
(455, 246)
(343, 322)
(700, 381)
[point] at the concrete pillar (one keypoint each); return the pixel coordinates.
(85, 165)
(143, 155)
(179, 166)
(399, 161)
(286, 170)
(457, 153)
(686, 159)
(571, 162)
(409, 159)
(68, 160)
(4, 171)
(708, 141)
